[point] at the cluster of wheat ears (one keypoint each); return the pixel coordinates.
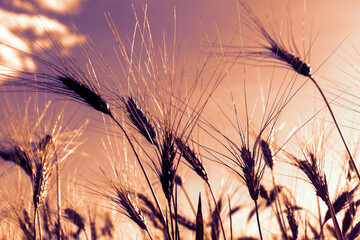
(155, 128)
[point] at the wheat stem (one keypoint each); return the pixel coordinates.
(34, 226)
(258, 219)
(39, 225)
(339, 235)
(337, 126)
(148, 233)
(58, 233)
(230, 219)
(320, 221)
(336, 224)
(171, 219)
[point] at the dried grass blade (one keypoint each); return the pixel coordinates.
(19, 157)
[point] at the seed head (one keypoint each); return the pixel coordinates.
(142, 122)
(314, 175)
(85, 93)
(194, 162)
(128, 207)
(268, 158)
(168, 166)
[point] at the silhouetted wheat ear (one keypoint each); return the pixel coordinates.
(294, 61)
(149, 209)
(74, 217)
(19, 157)
(185, 222)
(276, 49)
(189, 155)
(271, 195)
(142, 122)
(168, 166)
(290, 215)
(348, 218)
(264, 193)
(267, 155)
(85, 93)
(315, 177)
(128, 207)
(251, 179)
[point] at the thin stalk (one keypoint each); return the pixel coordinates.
(39, 225)
(336, 225)
(175, 201)
(230, 219)
(58, 197)
(216, 208)
(143, 170)
(339, 235)
(258, 219)
(171, 220)
(87, 238)
(176, 214)
(320, 220)
(34, 227)
(337, 126)
(148, 233)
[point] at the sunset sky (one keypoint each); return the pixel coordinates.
(326, 33)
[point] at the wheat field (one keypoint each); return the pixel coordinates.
(179, 120)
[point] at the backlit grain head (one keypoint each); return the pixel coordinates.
(267, 155)
(141, 121)
(191, 158)
(124, 203)
(274, 48)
